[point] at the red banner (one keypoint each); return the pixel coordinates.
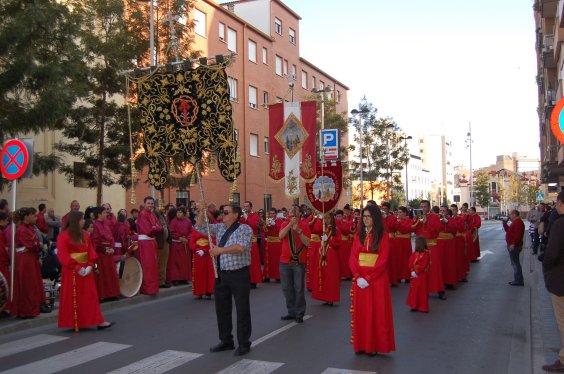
(325, 190)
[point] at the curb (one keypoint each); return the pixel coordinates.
(10, 325)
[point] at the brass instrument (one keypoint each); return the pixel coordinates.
(422, 218)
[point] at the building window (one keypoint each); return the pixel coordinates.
(266, 145)
(292, 36)
(78, 169)
(254, 145)
(278, 26)
(231, 39)
(321, 84)
(285, 67)
(279, 65)
(304, 79)
(253, 97)
(252, 51)
(265, 99)
(313, 82)
(182, 198)
(338, 97)
(199, 22)
(236, 198)
(222, 32)
(264, 55)
(232, 88)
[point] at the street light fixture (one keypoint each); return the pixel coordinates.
(469, 146)
(386, 128)
(405, 139)
(356, 112)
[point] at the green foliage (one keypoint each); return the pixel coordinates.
(415, 203)
(482, 190)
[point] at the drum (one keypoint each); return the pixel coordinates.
(4, 292)
(131, 276)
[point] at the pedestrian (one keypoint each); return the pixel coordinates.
(78, 303)
(271, 269)
(295, 236)
(179, 264)
(148, 227)
(253, 219)
(553, 269)
(107, 281)
(315, 225)
(74, 206)
(371, 304)
(419, 262)
(41, 224)
(233, 258)
(514, 239)
(54, 224)
(326, 280)
(5, 257)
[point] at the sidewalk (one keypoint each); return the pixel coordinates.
(9, 325)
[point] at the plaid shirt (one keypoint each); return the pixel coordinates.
(242, 236)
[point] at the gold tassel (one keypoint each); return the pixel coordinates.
(192, 179)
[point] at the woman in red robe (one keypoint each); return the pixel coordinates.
(418, 297)
(271, 269)
(403, 243)
(344, 226)
(203, 277)
(179, 265)
(78, 306)
(327, 278)
(4, 255)
(121, 232)
(107, 281)
(29, 293)
(371, 304)
(316, 228)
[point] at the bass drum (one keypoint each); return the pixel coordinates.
(130, 276)
(4, 292)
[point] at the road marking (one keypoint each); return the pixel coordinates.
(26, 344)
(345, 371)
(159, 363)
(486, 252)
(251, 367)
(276, 332)
(69, 359)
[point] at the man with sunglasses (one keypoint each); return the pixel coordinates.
(233, 258)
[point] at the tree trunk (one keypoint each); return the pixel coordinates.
(101, 145)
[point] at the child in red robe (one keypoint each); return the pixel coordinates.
(419, 262)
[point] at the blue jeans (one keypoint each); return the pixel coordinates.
(292, 278)
(516, 263)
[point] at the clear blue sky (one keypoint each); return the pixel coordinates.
(434, 66)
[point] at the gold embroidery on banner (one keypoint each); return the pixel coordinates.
(292, 135)
(307, 168)
(367, 259)
(276, 168)
(292, 183)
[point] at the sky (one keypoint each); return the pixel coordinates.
(434, 66)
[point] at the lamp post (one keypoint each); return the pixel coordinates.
(354, 112)
(405, 139)
(321, 151)
(386, 128)
(469, 146)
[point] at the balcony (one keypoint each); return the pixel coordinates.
(549, 8)
(548, 60)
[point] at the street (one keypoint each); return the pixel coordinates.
(480, 328)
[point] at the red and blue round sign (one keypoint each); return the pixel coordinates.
(15, 158)
(557, 120)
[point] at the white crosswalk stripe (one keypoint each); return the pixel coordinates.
(69, 359)
(345, 371)
(159, 363)
(251, 367)
(26, 344)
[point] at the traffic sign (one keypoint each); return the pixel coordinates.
(539, 196)
(15, 158)
(330, 144)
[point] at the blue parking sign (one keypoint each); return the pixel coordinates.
(329, 140)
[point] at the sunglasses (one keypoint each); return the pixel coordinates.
(226, 212)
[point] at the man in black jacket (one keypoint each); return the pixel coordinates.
(553, 269)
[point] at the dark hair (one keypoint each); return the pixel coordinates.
(72, 225)
(172, 213)
(517, 213)
(3, 216)
(435, 209)
(332, 223)
(454, 206)
(339, 211)
(24, 212)
(97, 211)
(3, 204)
(347, 207)
(235, 209)
(465, 205)
(371, 202)
(87, 224)
(377, 226)
(41, 207)
(404, 209)
(248, 202)
(386, 204)
(121, 217)
(473, 208)
(560, 196)
(450, 212)
(147, 198)
(134, 210)
(420, 244)
(426, 202)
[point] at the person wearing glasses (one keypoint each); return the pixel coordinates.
(295, 236)
(371, 304)
(233, 259)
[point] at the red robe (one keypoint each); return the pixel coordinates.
(5, 261)
(418, 297)
(390, 226)
(316, 229)
(253, 221)
(447, 244)
(327, 278)
(474, 223)
(41, 223)
(430, 230)
(148, 225)
(87, 306)
(107, 281)
(344, 226)
(271, 268)
(179, 265)
(371, 308)
(203, 278)
(460, 247)
(29, 293)
(403, 247)
(121, 232)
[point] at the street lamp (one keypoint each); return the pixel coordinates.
(355, 112)
(387, 127)
(405, 139)
(469, 146)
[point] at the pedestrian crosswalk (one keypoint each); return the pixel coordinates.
(160, 362)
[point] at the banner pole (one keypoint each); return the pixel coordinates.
(197, 171)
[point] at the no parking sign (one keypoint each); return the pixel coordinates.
(557, 121)
(14, 159)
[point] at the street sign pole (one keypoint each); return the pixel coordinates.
(13, 239)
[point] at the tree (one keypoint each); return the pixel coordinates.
(516, 193)
(482, 190)
(531, 193)
(41, 70)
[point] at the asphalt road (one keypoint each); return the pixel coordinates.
(481, 328)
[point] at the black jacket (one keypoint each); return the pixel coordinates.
(553, 261)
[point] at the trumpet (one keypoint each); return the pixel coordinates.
(422, 218)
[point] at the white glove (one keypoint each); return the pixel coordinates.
(413, 274)
(200, 252)
(85, 271)
(324, 237)
(320, 216)
(362, 283)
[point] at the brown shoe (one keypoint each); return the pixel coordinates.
(556, 367)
